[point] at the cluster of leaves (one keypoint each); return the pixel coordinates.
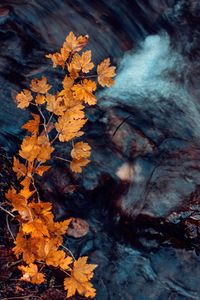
(59, 117)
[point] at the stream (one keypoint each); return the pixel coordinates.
(141, 192)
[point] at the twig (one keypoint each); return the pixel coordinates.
(8, 226)
(44, 120)
(68, 251)
(54, 138)
(121, 124)
(6, 211)
(58, 157)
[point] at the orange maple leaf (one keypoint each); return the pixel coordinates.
(84, 91)
(79, 280)
(24, 98)
(19, 168)
(26, 247)
(40, 85)
(40, 99)
(42, 169)
(36, 228)
(55, 104)
(81, 150)
(76, 165)
(105, 73)
(31, 274)
(81, 62)
(33, 125)
(45, 149)
(73, 44)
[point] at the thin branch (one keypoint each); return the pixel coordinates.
(58, 157)
(121, 125)
(54, 139)
(8, 226)
(44, 120)
(68, 251)
(6, 211)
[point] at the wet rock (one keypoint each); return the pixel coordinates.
(77, 228)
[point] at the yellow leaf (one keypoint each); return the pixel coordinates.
(83, 92)
(29, 148)
(81, 150)
(33, 125)
(105, 73)
(59, 59)
(24, 98)
(31, 274)
(55, 105)
(40, 85)
(81, 63)
(26, 247)
(45, 150)
(64, 264)
(40, 99)
(77, 164)
(67, 82)
(69, 125)
(82, 271)
(42, 169)
(73, 44)
(19, 168)
(79, 280)
(36, 228)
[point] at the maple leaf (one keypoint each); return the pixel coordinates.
(84, 91)
(71, 285)
(33, 125)
(76, 165)
(24, 98)
(40, 99)
(36, 228)
(40, 85)
(26, 247)
(59, 59)
(81, 270)
(42, 169)
(79, 280)
(64, 264)
(73, 44)
(41, 209)
(55, 105)
(67, 82)
(69, 125)
(105, 73)
(81, 150)
(18, 201)
(45, 149)
(31, 274)
(19, 168)
(81, 62)
(29, 148)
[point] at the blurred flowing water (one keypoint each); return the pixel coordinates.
(140, 193)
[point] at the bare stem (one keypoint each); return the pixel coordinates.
(68, 251)
(8, 226)
(44, 120)
(6, 211)
(58, 157)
